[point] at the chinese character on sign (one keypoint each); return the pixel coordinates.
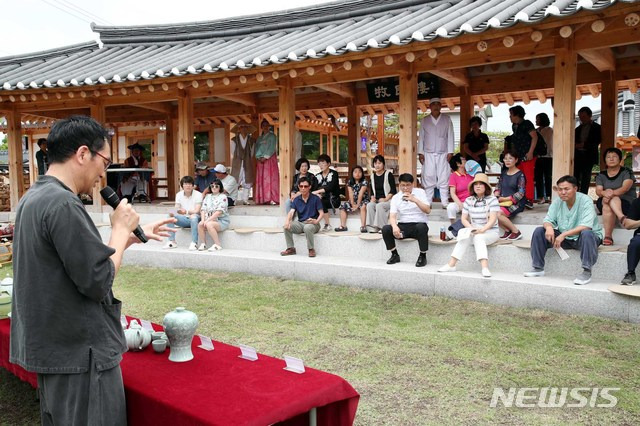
(422, 88)
(381, 92)
(397, 90)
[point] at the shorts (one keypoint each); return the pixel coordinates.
(332, 204)
(346, 206)
(623, 203)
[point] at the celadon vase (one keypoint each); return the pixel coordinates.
(180, 326)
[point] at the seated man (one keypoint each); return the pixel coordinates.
(188, 203)
(632, 221)
(229, 182)
(408, 219)
(204, 177)
(308, 207)
(571, 223)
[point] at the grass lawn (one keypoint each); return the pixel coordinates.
(415, 360)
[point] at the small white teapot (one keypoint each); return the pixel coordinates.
(137, 337)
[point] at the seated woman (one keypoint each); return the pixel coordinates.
(357, 198)
(328, 188)
(615, 191)
(214, 216)
(302, 167)
(480, 216)
(383, 188)
(510, 191)
(458, 185)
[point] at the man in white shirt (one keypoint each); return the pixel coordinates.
(408, 219)
(229, 183)
(188, 202)
(435, 149)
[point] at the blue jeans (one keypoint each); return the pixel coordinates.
(186, 222)
(587, 243)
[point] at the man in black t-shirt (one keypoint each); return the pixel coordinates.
(476, 143)
(632, 221)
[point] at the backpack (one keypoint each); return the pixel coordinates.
(541, 146)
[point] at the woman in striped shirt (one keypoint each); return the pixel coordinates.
(480, 219)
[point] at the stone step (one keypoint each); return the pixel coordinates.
(505, 288)
(610, 268)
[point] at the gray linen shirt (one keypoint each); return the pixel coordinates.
(63, 308)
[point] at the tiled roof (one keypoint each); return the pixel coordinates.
(150, 52)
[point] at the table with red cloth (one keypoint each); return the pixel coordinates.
(219, 388)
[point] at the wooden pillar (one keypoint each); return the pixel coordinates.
(98, 113)
(353, 118)
(14, 138)
(169, 145)
(33, 164)
(287, 125)
(609, 109)
(408, 122)
(466, 112)
(185, 136)
(564, 109)
(380, 133)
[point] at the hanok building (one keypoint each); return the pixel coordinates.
(165, 83)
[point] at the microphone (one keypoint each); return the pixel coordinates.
(111, 198)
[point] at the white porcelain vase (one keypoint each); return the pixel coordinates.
(180, 326)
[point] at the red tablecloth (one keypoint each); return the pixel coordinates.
(219, 388)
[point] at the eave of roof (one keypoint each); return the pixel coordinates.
(157, 51)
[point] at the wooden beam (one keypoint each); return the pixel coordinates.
(98, 113)
(287, 122)
(564, 109)
(346, 90)
(593, 89)
(170, 144)
(162, 107)
(407, 161)
(459, 77)
(14, 138)
(185, 136)
(603, 58)
(353, 117)
(247, 99)
(466, 111)
(541, 96)
(609, 111)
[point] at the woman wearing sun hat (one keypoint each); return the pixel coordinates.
(480, 220)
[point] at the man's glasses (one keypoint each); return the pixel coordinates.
(109, 162)
(304, 186)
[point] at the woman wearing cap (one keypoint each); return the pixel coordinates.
(267, 190)
(214, 216)
(480, 217)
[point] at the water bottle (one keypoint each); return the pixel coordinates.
(443, 234)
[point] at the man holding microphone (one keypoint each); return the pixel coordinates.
(65, 323)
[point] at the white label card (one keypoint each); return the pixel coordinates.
(248, 353)
(294, 364)
(205, 343)
(123, 321)
(146, 325)
(562, 253)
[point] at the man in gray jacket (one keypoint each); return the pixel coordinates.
(65, 323)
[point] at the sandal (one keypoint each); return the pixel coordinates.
(341, 229)
(608, 241)
(363, 229)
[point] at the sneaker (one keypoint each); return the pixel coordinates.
(505, 236)
(374, 229)
(215, 247)
(170, 245)
(528, 204)
(535, 272)
(202, 247)
(486, 272)
(326, 228)
(447, 268)
(629, 278)
(583, 278)
(193, 246)
(515, 236)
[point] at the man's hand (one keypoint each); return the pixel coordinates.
(421, 158)
(374, 200)
(287, 224)
(124, 218)
(550, 235)
(158, 230)
(449, 156)
(397, 232)
(182, 211)
(558, 242)
(311, 221)
(409, 197)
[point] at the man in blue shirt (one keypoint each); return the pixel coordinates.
(571, 223)
(204, 177)
(309, 209)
